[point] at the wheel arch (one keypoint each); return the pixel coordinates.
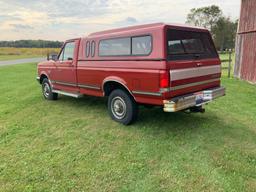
(42, 77)
(111, 84)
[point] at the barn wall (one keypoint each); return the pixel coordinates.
(247, 20)
(248, 57)
(245, 66)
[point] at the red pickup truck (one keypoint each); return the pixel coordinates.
(173, 66)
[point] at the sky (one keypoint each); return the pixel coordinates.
(65, 19)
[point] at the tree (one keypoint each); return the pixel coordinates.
(224, 33)
(223, 30)
(205, 16)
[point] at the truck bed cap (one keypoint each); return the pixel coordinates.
(143, 27)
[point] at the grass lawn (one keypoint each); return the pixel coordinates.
(73, 145)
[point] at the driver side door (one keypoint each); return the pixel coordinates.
(64, 74)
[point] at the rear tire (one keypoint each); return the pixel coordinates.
(47, 90)
(122, 107)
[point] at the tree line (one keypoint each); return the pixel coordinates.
(31, 44)
(222, 28)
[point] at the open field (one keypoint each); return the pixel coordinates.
(9, 53)
(73, 145)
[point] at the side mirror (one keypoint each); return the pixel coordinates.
(52, 56)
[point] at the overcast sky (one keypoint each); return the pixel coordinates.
(64, 19)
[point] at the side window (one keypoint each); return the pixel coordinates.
(141, 45)
(67, 52)
(93, 48)
(87, 51)
(115, 47)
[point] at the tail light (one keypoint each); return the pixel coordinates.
(164, 79)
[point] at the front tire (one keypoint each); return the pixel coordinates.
(122, 107)
(47, 90)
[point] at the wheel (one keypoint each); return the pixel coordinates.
(47, 90)
(122, 107)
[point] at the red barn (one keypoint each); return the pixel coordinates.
(245, 66)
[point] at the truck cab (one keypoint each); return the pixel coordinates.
(173, 66)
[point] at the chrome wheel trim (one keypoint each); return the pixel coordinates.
(46, 89)
(118, 107)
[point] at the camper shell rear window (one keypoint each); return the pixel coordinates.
(187, 45)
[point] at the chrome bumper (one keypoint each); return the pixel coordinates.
(194, 99)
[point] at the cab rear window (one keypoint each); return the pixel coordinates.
(185, 45)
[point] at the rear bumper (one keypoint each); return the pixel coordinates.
(194, 99)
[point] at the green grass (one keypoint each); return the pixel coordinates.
(73, 145)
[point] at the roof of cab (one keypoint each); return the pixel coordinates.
(143, 27)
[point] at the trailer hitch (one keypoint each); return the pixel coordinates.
(197, 109)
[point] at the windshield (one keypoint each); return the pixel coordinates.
(189, 45)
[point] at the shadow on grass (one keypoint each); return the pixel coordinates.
(154, 118)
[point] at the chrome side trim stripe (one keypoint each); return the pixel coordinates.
(75, 85)
(64, 83)
(179, 74)
(193, 84)
(88, 86)
(147, 93)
